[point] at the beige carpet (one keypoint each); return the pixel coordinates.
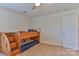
(49, 50)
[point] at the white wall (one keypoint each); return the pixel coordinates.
(12, 21)
(51, 26)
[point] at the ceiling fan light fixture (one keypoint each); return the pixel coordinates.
(37, 4)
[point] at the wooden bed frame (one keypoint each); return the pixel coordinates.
(5, 39)
(32, 35)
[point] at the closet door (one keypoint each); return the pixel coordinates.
(69, 26)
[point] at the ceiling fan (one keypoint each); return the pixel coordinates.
(36, 5)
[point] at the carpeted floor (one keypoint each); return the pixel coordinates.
(49, 50)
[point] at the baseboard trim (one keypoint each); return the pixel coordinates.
(58, 45)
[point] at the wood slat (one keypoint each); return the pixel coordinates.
(11, 39)
(13, 45)
(15, 52)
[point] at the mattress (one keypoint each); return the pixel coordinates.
(28, 45)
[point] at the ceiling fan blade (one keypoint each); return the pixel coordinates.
(34, 7)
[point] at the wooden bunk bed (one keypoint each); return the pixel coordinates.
(29, 39)
(14, 43)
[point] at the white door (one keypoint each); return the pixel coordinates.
(69, 31)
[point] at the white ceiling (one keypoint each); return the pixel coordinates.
(43, 9)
